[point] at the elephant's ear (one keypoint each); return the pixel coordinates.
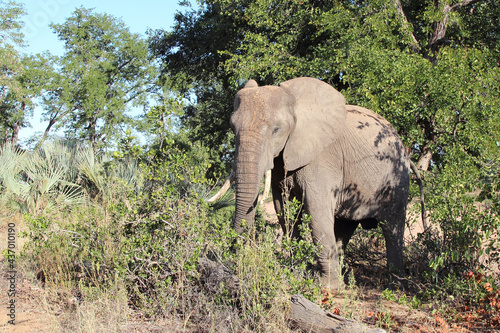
(320, 114)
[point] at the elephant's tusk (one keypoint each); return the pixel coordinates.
(224, 188)
(267, 187)
(230, 179)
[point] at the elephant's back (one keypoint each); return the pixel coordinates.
(373, 132)
(362, 118)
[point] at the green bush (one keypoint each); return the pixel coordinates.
(462, 238)
(150, 241)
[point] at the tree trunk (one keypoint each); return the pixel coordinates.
(438, 36)
(45, 134)
(439, 28)
(425, 159)
(309, 317)
(15, 134)
(414, 45)
(5, 137)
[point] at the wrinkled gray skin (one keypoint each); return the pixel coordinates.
(346, 163)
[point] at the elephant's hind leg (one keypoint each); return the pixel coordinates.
(394, 238)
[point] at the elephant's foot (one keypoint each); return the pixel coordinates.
(331, 268)
(332, 278)
(396, 279)
(331, 284)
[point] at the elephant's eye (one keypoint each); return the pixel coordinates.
(276, 130)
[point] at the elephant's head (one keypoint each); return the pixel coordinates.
(297, 119)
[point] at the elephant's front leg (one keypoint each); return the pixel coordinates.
(323, 232)
(285, 189)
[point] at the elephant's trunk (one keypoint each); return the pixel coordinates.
(248, 177)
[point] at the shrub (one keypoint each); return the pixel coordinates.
(150, 241)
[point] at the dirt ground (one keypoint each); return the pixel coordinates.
(34, 313)
(30, 316)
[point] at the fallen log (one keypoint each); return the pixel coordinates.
(304, 314)
(309, 317)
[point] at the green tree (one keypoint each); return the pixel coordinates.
(12, 117)
(192, 65)
(35, 79)
(54, 90)
(431, 68)
(104, 72)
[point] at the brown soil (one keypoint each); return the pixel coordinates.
(34, 314)
(29, 315)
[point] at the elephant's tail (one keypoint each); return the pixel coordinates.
(421, 185)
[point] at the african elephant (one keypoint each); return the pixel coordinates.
(345, 163)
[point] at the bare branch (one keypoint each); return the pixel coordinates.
(439, 28)
(414, 45)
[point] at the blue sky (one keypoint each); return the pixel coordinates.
(137, 15)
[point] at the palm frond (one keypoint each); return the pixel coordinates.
(41, 181)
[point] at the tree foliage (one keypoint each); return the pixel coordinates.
(104, 71)
(12, 116)
(431, 68)
(191, 63)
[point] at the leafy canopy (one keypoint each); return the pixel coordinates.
(11, 116)
(103, 73)
(430, 68)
